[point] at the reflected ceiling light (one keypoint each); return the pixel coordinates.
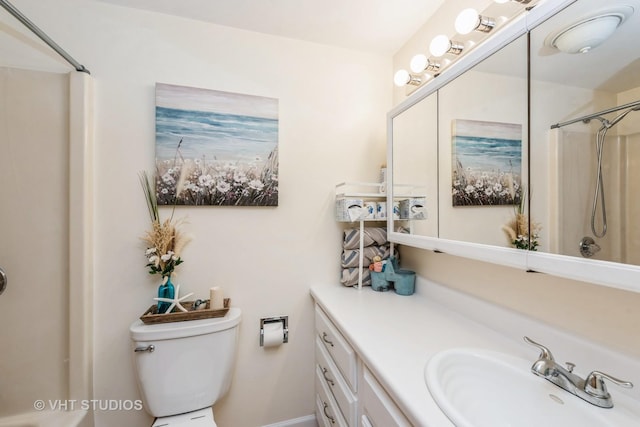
(583, 36)
(420, 63)
(441, 45)
(402, 77)
(469, 20)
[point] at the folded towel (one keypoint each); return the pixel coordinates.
(350, 257)
(349, 277)
(371, 236)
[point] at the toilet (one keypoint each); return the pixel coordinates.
(183, 368)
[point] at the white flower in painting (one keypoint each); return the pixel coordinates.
(470, 189)
(240, 177)
(167, 178)
(479, 184)
(488, 191)
(223, 187)
(455, 191)
(256, 184)
(205, 180)
(164, 191)
(497, 187)
(456, 183)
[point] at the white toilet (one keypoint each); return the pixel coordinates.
(183, 368)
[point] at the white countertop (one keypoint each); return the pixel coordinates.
(396, 335)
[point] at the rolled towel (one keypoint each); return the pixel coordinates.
(349, 277)
(350, 257)
(371, 236)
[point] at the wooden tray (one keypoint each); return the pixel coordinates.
(151, 315)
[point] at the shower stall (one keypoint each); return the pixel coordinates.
(45, 243)
(597, 162)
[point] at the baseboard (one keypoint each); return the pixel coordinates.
(307, 421)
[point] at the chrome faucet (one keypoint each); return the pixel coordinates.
(592, 389)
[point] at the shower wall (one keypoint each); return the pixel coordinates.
(34, 229)
(576, 175)
(632, 197)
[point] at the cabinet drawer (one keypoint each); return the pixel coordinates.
(339, 349)
(342, 394)
(327, 412)
(378, 408)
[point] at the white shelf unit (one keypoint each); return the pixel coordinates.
(370, 191)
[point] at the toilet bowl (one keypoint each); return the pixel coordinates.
(183, 368)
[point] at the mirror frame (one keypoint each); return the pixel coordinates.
(610, 274)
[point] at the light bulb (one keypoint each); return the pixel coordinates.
(419, 63)
(401, 78)
(439, 45)
(467, 21)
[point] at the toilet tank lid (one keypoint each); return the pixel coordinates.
(140, 331)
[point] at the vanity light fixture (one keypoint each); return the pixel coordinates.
(469, 20)
(402, 77)
(441, 45)
(420, 63)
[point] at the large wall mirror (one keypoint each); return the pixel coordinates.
(585, 133)
(482, 134)
(577, 119)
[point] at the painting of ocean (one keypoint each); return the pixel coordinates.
(215, 148)
(487, 163)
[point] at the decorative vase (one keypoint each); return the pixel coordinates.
(165, 290)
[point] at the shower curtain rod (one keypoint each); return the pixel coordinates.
(594, 115)
(45, 38)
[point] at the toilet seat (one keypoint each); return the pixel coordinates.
(199, 418)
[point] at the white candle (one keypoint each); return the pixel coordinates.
(217, 298)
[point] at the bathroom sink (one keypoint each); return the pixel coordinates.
(480, 388)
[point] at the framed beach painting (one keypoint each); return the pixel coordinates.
(215, 148)
(487, 163)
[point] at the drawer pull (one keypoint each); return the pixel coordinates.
(329, 380)
(333, 420)
(324, 338)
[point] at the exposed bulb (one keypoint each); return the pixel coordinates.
(467, 21)
(401, 78)
(419, 63)
(439, 45)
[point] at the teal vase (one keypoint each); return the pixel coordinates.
(165, 290)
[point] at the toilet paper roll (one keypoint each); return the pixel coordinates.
(273, 334)
(217, 298)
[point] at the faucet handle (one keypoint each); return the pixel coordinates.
(594, 384)
(545, 353)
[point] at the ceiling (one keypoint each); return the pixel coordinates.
(376, 26)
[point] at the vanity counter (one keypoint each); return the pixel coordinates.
(396, 335)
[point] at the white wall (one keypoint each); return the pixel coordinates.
(332, 105)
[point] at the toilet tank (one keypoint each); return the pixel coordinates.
(191, 364)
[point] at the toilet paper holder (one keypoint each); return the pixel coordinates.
(285, 327)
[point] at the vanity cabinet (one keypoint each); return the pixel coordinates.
(347, 392)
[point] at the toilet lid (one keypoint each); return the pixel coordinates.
(199, 418)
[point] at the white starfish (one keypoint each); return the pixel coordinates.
(175, 301)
